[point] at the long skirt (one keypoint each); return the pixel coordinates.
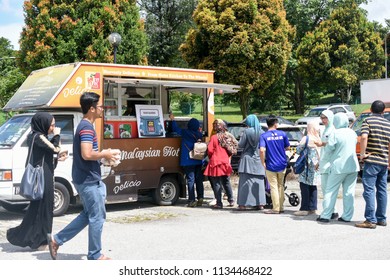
(251, 190)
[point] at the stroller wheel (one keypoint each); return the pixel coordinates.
(293, 198)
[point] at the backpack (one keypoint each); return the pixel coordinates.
(302, 160)
(199, 151)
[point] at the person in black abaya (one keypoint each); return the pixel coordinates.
(38, 220)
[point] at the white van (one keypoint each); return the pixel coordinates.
(149, 157)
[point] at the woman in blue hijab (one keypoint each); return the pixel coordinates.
(192, 167)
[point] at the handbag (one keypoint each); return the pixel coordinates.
(299, 165)
(199, 150)
(33, 180)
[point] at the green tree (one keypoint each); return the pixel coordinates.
(342, 51)
(10, 76)
(58, 32)
(166, 24)
(305, 16)
(245, 41)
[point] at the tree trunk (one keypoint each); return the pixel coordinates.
(348, 94)
(299, 103)
(244, 103)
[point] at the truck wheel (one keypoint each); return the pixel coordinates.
(61, 199)
(167, 192)
(14, 207)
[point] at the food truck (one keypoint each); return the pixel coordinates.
(149, 163)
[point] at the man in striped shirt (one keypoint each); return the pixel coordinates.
(88, 182)
(374, 152)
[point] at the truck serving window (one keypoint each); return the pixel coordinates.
(13, 129)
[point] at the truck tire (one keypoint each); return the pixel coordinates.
(14, 207)
(167, 192)
(61, 199)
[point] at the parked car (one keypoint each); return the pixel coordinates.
(263, 120)
(293, 132)
(315, 113)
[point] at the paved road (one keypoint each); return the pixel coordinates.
(143, 231)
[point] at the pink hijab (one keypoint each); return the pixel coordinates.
(313, 131)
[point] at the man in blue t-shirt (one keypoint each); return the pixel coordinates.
(273, 144)
(87, 180)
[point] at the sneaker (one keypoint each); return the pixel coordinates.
(191, 204)
(334, 216)
(301, 213)
(381, 223)
(365, 224)
(199, 202)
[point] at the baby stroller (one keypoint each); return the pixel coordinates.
(293, 198)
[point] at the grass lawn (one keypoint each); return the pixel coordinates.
(231, 112)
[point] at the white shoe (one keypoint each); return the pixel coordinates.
(301, 213)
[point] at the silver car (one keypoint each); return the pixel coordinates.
(314, 114)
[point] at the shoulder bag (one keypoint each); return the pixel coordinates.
(299, 165)
(33, 180)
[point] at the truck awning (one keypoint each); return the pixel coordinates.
(194, 87)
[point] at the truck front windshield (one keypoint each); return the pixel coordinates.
(13, 129)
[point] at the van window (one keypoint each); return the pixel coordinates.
(65, 122)
(13, 129)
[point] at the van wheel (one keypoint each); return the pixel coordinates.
(61, 199)
(14, 207)
(168, 191)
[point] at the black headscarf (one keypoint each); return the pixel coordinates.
(41, 122)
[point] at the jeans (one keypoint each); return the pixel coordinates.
(194, 176)
(309, 197)
(221, 183)
(375, 179)
(93, 215)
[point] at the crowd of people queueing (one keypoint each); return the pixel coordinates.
(332, 163)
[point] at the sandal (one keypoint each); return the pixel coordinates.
(103, 258)
(53, 246)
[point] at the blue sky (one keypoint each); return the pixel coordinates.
(12, 19)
